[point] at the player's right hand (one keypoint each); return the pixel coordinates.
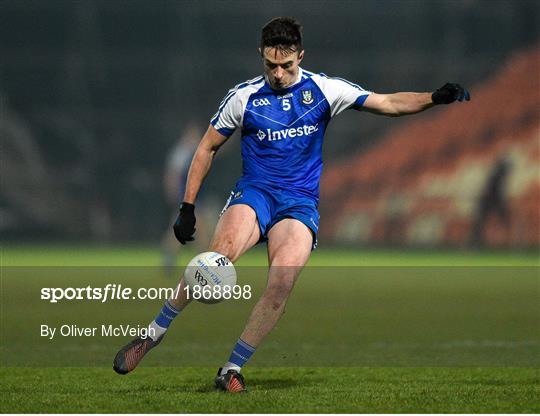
(184, 226)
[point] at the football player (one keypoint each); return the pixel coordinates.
(282, 116)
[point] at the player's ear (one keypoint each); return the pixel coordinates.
(300, 56)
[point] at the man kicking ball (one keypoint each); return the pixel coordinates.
(283, 115)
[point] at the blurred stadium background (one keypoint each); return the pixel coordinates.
(94, 94)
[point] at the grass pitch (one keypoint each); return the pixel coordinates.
(436, 332)
(279, 390)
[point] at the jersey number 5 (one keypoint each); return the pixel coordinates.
(286, 104)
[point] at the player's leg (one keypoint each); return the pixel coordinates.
(236, 232)
(289, 246)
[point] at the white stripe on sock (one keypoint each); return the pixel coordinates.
(155, 331)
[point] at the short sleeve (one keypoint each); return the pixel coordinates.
(341, 94)
(229, 115)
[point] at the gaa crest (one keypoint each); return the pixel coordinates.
(307, 97)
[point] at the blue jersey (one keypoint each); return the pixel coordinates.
(282, 131)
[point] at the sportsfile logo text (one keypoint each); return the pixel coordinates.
(111, 291)
(114, 291)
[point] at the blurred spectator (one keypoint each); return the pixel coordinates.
(492, 201)
(174, 180)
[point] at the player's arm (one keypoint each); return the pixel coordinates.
(403, 103)
(202, 160)
(398, 104)
(184, 227)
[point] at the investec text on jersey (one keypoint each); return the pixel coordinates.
(272, 135)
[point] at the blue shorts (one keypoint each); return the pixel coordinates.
(273, 205)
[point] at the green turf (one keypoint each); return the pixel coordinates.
(314, 390)
(435, 338)
(85, 255)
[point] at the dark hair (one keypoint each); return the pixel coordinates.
(283, 33)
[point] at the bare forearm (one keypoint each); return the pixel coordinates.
(403, 103)
(200, 165)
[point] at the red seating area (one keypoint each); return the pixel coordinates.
(421, 184)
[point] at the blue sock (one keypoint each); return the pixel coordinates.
(240, 354)
(159, 326)
(166, 315)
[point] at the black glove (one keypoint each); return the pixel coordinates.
(184, 227)
(449, 93)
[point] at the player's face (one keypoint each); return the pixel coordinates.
(281, 67)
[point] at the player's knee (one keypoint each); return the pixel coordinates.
(279, 291)
(226, 247)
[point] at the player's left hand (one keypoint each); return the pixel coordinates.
(449, 93)
(184, 227)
